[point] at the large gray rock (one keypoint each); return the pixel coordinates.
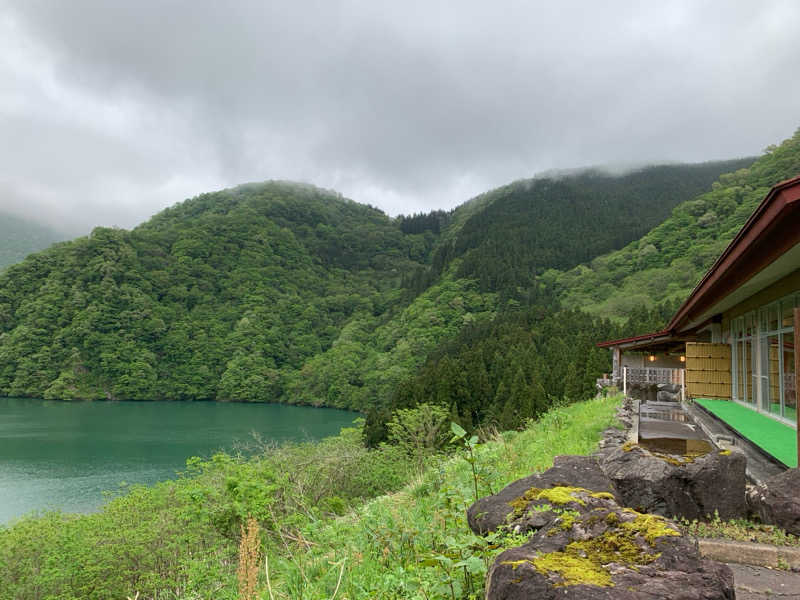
(489, 513)
(672, 388)
(613, 554)
(665, 396)
(777, 501)
(612, 437)
(676, 486)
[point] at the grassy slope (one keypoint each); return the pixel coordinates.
(179, 539)
(667, 262)
(409, 544)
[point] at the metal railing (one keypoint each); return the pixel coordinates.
(653, 376)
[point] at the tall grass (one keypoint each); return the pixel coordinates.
(312, 517)
(415, 543)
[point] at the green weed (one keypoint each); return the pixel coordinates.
(742, 530)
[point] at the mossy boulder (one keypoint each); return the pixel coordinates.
(537, 507)
(525, 504)
(692, 486)
(608, 553)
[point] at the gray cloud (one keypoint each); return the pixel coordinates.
(112, 110)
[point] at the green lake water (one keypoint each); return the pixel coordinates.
(64, 455)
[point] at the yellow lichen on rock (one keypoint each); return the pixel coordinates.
(586, 561)
(561, 495)
(603, 495)
(565, 522)
(558, 496)
(612, 547)
(572, 570)
(650, 527)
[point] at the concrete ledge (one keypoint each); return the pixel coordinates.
(750, 553)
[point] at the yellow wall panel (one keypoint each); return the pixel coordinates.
(708, 370)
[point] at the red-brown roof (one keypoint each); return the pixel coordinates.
(635, 338)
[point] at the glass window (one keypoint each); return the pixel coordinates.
(748, 360)
(762, 358)
(772, 317)
(761, 372)
(774, 373)
(787, 309)
(741, 373)
(789, 382)
(787, 306)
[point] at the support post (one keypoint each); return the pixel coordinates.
(797, 376)
(625, 382)
(683, 385)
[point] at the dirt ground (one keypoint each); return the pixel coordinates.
(758, 583)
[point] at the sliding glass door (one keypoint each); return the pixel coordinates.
(762, 360)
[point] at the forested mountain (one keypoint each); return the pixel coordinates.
(666, 263)
(19, 237)
(559, 222)
(285, 292)
(504, 371)
(213, 298)
(485, 266)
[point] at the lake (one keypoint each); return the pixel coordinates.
(64, 455)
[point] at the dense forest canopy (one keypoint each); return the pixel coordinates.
(210, 299)
(285, 292)
(561, 222)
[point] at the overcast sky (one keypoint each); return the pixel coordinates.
(110, 111)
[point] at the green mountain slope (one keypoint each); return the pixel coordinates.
(19, 237)
(489, 251)
(285, 292)
(666, 263)
(562, 221)
(217, 297)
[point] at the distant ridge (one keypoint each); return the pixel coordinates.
(665, 263)
(278, 291)
(19, 237)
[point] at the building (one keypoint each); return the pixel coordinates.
(735, 337)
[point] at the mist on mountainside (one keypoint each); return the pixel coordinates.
(19, 237)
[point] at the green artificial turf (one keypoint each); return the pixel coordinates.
(777, 439)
